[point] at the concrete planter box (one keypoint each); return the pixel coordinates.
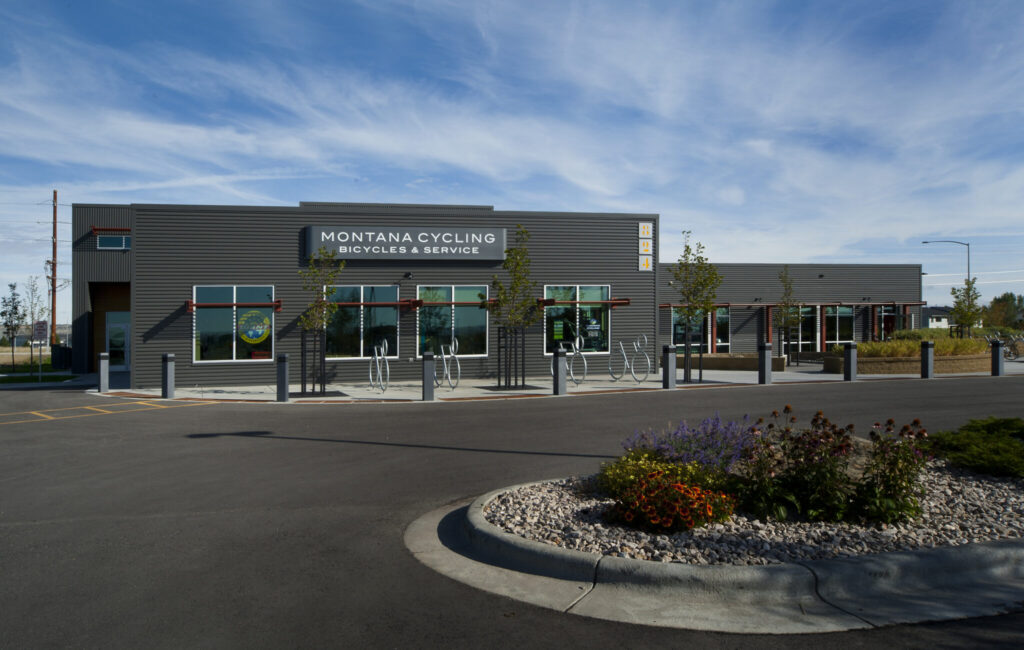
(730, 362)
(911, 365)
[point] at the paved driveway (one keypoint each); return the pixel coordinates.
(265, 525)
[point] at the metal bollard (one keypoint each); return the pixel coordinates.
(764, 363)
(998, 370)
(559, 378)
(429, 368)
(668, 366)
(282, 378)
(167, 376)
(850, 362)
(927, 359)
(104, 372)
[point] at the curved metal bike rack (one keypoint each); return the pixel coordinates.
(380, 369)
(450, 365)
(632, 364)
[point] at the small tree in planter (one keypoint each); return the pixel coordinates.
(514, 306)
(317, 277)
(697, 281)
(787, 313)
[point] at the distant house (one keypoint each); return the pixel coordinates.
(936, 317)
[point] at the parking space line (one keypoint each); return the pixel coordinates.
(95, 411)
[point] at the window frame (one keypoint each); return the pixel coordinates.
(576, 308)
(126, 245)
(234, 325)
(451, 306)
(365, 354)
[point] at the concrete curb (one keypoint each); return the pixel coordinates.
(817, 596)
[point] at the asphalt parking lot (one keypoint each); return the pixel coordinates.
(281, 525)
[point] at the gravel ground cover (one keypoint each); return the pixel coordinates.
(958, 507)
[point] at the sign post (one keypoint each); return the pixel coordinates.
(40, 334)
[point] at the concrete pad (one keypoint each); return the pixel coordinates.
(934, 584)
(438, 540)
(776, 599)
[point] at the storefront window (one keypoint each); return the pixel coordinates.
(453, 313)
(367, 317)
(703, 336)
(235, 330)
(588, 318)
(838, 325)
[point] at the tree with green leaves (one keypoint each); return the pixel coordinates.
(966, 311)
(514, 305)
(1006, 310)
(12, 316)
(697, 281)
(319, 275)
(787, 312)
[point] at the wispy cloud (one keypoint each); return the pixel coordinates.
(833, 131)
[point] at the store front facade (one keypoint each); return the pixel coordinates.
(219, 287)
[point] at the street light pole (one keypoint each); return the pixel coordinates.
(951, 241)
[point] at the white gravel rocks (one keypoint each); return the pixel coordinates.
(958, 508)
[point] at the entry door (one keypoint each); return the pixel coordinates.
(117, 346)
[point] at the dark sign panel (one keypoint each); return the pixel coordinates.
(389, 243)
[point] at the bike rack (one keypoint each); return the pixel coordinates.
(630, 364)
(380, 369)
(573, 352)
(449, 362)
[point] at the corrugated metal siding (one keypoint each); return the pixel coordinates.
(181, 246)
(812, 283)
(91, 265)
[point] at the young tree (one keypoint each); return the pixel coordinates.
(319, 274)
(966, 311)
(12, 315)
(514, 305)
(34, 309)
(697, 281)
(787, 313)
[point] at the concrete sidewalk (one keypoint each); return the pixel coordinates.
(791, 598)
(597, 381)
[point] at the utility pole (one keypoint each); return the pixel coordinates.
(53, 277)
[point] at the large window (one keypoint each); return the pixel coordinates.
(721, 330)
(233, 323)
(838, 325)
(805, 334)
(585, 313)
(453, 313)
(366, 317)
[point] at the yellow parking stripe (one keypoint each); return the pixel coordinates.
(94, 411)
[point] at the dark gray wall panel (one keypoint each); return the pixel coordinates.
(91, 265)
(180, 246)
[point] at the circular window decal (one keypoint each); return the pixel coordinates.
(253, 326)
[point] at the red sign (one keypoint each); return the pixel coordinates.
(40, 331)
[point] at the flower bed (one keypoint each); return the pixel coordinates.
(911, 365)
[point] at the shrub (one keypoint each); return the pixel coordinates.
(992, 446)
(890, 488)
(923, 334)
(659, 503)
(944, 347)
(816, 460)
(617, 478)
(711, 450)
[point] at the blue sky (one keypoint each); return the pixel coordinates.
(775, 132)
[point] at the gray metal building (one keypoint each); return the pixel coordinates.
(219, 287)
